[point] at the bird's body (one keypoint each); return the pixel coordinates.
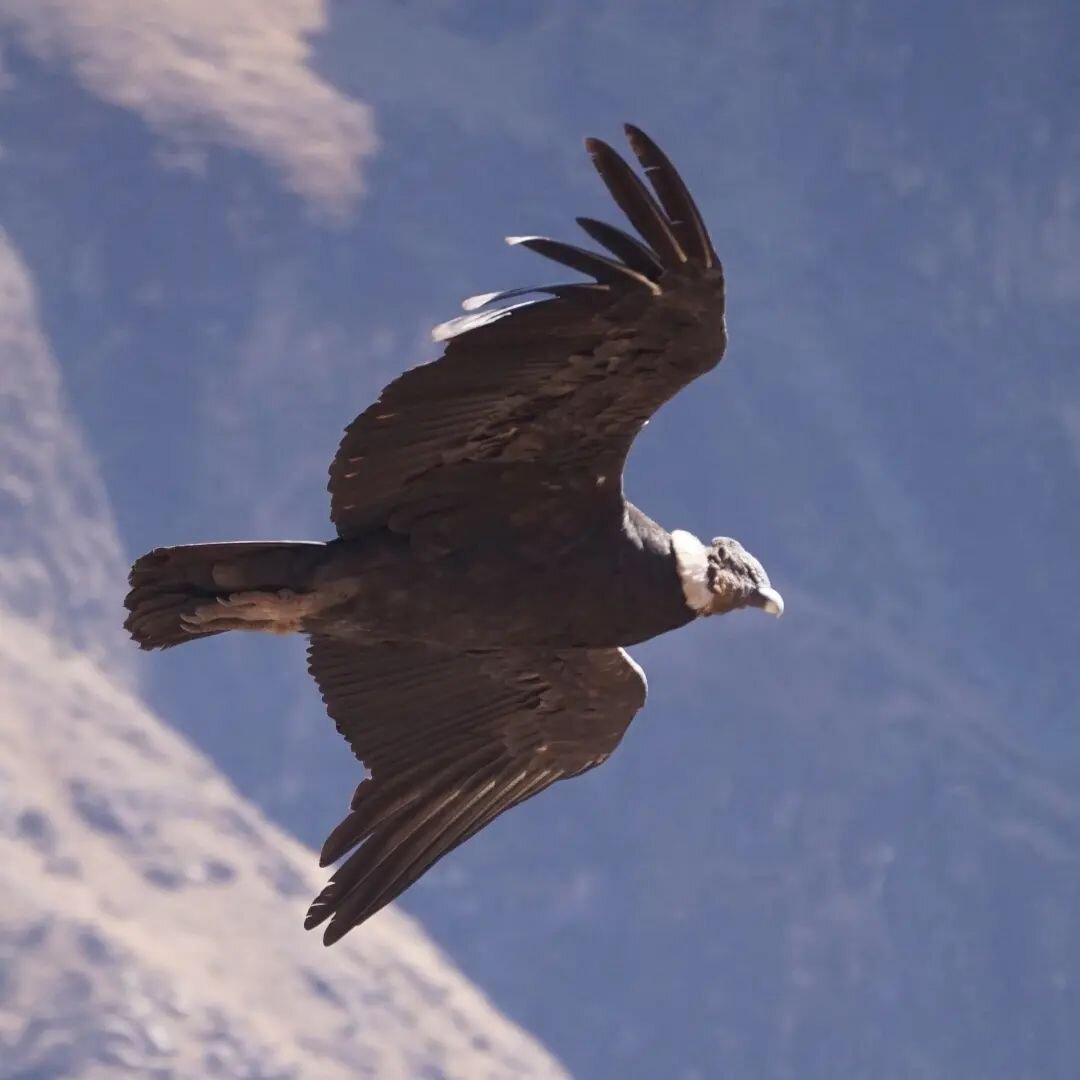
(612, 583)
(468, 623)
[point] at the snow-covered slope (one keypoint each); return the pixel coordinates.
(150, 921)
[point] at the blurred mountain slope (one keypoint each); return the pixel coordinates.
(151, 921)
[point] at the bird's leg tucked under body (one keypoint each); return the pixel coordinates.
(279, 612)
(187, 592)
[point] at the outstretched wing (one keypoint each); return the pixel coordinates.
(564, 382)
(451, 740)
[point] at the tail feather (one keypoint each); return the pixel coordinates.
(168, 583)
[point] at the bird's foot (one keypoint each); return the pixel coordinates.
(279, 612)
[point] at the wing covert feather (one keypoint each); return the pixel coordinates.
(564, 382)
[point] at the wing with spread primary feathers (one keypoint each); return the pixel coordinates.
(563, 383)
(452, 740)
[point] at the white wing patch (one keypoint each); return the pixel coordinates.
(453, 328)
(636, 667)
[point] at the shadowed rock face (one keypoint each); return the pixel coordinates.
(841, 846)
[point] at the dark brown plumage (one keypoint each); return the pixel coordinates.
(467, 625)
(453, 739)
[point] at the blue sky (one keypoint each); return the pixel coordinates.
(842, 844)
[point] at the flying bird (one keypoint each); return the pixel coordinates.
(467, 626)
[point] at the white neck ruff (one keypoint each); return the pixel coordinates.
(692, 563)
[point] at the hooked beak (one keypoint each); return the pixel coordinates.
(769, 600)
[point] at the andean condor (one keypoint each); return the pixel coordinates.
(467, 625)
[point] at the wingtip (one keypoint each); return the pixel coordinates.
(319, 910)
(335, 932)
(635, 201)
(637, 138)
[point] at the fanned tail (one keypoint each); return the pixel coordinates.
(169, 584)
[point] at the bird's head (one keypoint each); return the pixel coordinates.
(722, 576)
